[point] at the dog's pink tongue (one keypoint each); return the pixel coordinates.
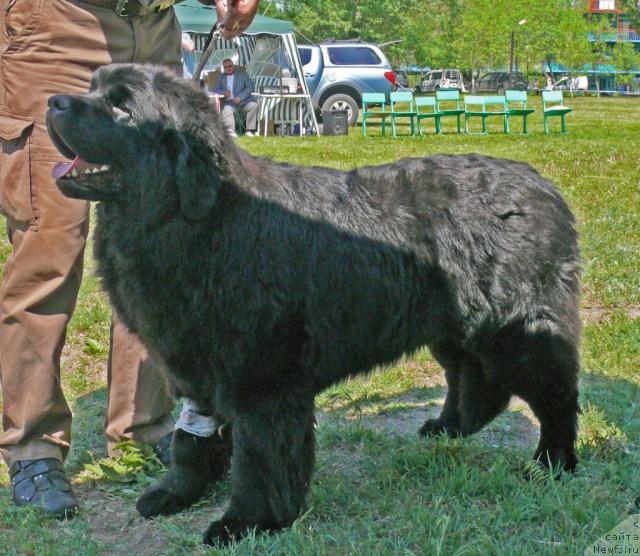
(63, 168)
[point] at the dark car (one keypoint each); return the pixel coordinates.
(500, 81)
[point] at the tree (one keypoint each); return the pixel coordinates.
(426, 26)
(631, 9)
(472, 34)
(600, 29)
(556, 31)
(627, 61)
(433, 29)
(575, 49)
(483, 35)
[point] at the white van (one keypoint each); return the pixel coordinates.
(441, 79)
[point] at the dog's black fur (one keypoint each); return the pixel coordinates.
(260, 284)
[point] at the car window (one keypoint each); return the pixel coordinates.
(485, 78)
(436, 75)
(305, 55)
(353, 56)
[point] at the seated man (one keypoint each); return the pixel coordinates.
(236, 88)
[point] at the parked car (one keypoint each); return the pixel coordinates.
(500, 81)
(438, 79)
(338, 72)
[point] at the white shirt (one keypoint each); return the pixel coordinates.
(230, 84)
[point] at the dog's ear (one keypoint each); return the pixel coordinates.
(197, 173)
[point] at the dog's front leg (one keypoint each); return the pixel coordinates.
(199, 457)
(273, 456)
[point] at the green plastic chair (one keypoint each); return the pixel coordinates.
(553, 106)
(426, 103)
(473, 106)
(448, 104)
(484, 107)
(402, 97)
(517, 106)
(377, 99)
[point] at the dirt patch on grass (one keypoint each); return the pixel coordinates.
(116, 524)
(597, 314)
(404, 415)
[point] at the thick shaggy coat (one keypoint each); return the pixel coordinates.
(260, 284)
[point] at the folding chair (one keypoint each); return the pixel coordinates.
(517, 106)
(448, 104)
(427, 102)
(553, 106)
(402, 97)
(377, 99)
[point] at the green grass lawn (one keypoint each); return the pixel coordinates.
(378, 488)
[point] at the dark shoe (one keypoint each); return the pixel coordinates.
(41, 483)
(162, 449)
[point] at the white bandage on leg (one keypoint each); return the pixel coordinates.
(193, 422)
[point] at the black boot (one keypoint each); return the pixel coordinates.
(196, 462)
(41, 483)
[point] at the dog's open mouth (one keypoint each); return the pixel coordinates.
(78, 169)
(80, 179)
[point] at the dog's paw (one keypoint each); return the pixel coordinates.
(226, 531)
(158, 501)
(435, 427)
(552, 463)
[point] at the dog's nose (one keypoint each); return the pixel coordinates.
(59, 103)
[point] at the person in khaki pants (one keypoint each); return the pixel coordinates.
(49, 47)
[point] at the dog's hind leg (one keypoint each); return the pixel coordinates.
(472, 400)
(547, 379)
(480, 400)
(196, 462)
(448, 422)
(272, 465)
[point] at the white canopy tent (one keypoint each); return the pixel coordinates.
(268, 51)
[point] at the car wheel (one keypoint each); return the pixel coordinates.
(418, 89)
(501, 90)
(341, 101)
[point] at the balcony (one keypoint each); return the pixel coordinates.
(628, 35)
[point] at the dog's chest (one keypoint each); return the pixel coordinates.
(133, 278)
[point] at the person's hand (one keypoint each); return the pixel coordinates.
(187, 45)
(236, 100)
(235, 15)
(227, 94)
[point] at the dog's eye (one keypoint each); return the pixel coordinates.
(121, 112)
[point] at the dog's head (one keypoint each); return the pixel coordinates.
(140, 132)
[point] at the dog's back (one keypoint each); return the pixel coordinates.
(419, 252)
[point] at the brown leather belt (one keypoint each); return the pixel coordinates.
(131, 8)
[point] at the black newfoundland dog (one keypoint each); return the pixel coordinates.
(260, 284)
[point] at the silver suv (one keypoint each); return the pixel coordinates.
(338, 72)
(440, 79)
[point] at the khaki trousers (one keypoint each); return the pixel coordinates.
(49, 47)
